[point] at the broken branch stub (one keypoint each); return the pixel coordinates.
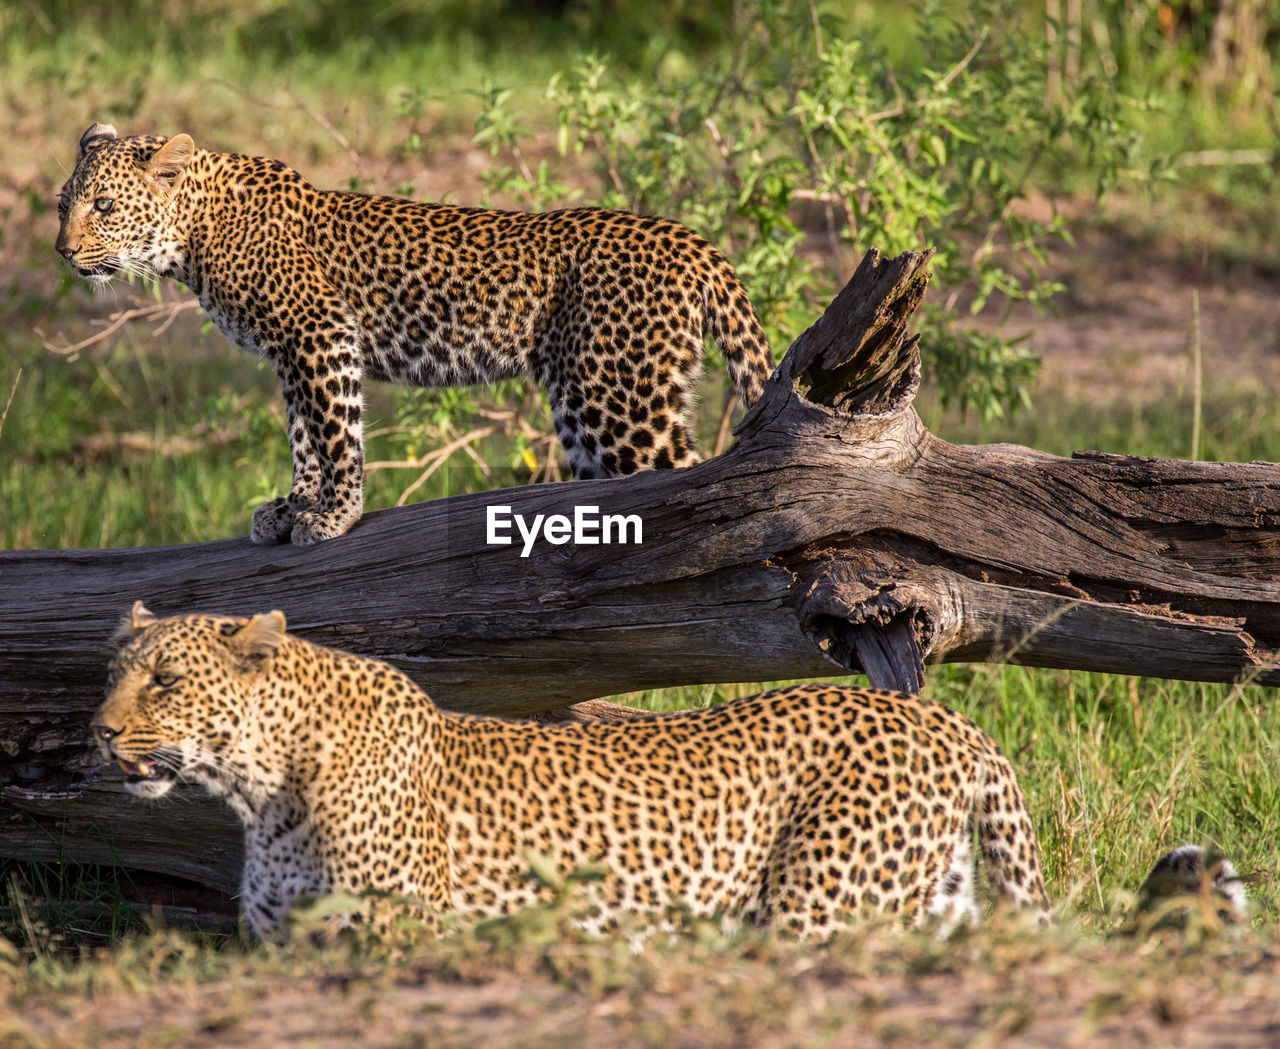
(859, 358)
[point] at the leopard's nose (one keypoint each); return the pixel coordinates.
(67, 251)
(102, 733)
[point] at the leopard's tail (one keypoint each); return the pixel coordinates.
(736, 328)
(1007, 837)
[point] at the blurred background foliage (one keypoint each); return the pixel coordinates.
(797, 135)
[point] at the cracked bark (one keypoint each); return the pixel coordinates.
(838, 535)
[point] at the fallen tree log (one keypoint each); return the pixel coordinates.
(837, 536)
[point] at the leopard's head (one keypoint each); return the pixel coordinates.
(115, 207)
(178, 697)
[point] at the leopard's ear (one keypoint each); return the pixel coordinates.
(135, 621)
(256, 642)
(96, 132)
(171, 160)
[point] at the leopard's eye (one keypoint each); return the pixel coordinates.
(165, 680)
(63, 204)
(103, 204)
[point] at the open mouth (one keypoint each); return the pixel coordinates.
(144, 771)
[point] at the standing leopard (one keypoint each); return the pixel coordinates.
(607, 310)
(798, 808)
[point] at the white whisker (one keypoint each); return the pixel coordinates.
(221, 767)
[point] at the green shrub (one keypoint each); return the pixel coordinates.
(798, 147)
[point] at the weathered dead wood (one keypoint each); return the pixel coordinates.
(838, 535)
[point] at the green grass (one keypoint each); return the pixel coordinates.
(291, 78)
(1121, 769)
(153, 442)
(535, 979)
(1237, 424)
(209, 445)
(51, 907)
(269, 75)
(61, 489)
(215, 54)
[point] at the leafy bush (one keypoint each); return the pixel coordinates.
(798, 147)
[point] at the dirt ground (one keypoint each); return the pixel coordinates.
(1019, 992)
(1126, 322)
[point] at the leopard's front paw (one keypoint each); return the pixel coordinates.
(273, 522)
(315, 526)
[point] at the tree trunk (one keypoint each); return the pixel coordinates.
(837, 536)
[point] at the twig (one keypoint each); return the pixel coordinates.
(1197, 367)
(470, 452)
(1071, 60)
(820, 196)
(120, 318)
(113, 384)
(963, 64)
(337, 135)
(514, 422)
(1209, 158)
(41, 19)
(724, 432)
(315, 115)
(810, 156)
(615, 176)
(163, 326)
(441, 456)
(101, 445)
(725, 152)
(507, 421)
(1104, 48)
(1053, 60)
(896, 110)
(390, 431)
(987, 245)
(433, 460)
(900, 108)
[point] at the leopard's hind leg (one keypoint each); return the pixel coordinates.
(619, 412)
(955, 894)
(1007, 837)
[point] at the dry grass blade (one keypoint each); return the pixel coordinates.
(95, 447)
(13, 388)
(334, 133)
(165, 311)
(724, 431)
(1197, 374)
(433, 460)
(505, 422)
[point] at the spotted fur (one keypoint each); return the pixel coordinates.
(607, 310)
(798, 808)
